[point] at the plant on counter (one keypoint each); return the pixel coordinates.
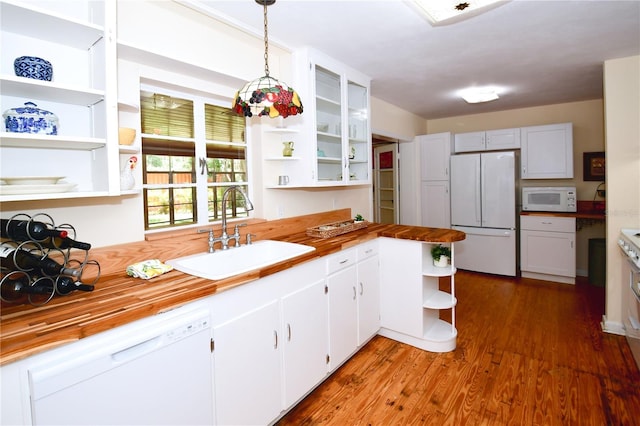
(441, 255)
(358, 218)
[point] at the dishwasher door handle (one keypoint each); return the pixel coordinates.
(136, 350)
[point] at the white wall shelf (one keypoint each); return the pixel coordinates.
(78, 39)
(49, 25)
(45, 90)
(28, 140)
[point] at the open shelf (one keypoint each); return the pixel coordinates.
(439, 300)
(441, 332)
(30, 140)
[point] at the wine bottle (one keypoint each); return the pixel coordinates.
(28, 230)
(64, 243)
(14, 290)
(65, 285)
(18, 259)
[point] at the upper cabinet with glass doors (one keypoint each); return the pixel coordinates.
(336, 122)
(78, 39)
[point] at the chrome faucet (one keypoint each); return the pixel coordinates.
(224, 238)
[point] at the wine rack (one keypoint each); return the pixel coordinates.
(40, 260)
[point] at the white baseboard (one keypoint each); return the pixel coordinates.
(612, 327)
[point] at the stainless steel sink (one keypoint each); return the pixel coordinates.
(238, 260)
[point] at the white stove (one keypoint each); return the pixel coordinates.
(629, 242)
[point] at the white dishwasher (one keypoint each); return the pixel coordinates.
(151, 372)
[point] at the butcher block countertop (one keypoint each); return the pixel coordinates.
(591, 210)
(119, 299)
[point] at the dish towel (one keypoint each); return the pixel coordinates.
(148, 269)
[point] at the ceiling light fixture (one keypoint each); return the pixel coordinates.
(443, 12)
(476, 95)
(266, 96)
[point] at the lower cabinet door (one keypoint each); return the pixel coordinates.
(247, 371)
(305, 340)
(368, 290)
(548, 252)
(435, 209)
(343, 315)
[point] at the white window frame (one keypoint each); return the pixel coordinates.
(199, 99)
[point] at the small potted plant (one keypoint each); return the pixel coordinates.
(358, 218)
(441, 255)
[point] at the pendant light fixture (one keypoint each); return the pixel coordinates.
(266, 96)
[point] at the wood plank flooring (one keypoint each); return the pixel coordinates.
(529, 352)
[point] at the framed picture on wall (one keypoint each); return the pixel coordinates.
(593, 166)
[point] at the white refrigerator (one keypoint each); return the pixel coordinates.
(483, 205)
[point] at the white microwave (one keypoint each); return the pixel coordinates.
(549, 199)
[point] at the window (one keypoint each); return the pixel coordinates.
(192, 151)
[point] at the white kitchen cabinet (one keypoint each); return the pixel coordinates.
(435, 199)
(409, 289)
(368, 291)
(247, 369)
(336, 118)
(436, 204)
(305, 340)
(490, 140)
(79, 39)
(400, 287)
(270, 344)
(343, 309)
(435, 151)
(547, 152)
(547, 248)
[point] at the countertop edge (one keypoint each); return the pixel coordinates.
(119, 299)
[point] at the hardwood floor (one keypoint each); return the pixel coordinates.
(528, 353)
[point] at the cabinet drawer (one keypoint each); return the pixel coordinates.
(548, 223)
(341, 260)
(366, 250)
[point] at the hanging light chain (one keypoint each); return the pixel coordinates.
(266, 42)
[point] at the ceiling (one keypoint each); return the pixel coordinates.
(534, 52)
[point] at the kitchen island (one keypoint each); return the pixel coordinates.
(119, 299)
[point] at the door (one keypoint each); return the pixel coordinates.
(550, 253)
(386, 183)
(368, 298)
(467, 142)
(502, 139)
(435, 151)
(547, 151)
(305, 340)
(435, 203)
(478, 251)
(465, 190)
(246, 359)
(157, 372)
(343, 315)
(498, 189)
